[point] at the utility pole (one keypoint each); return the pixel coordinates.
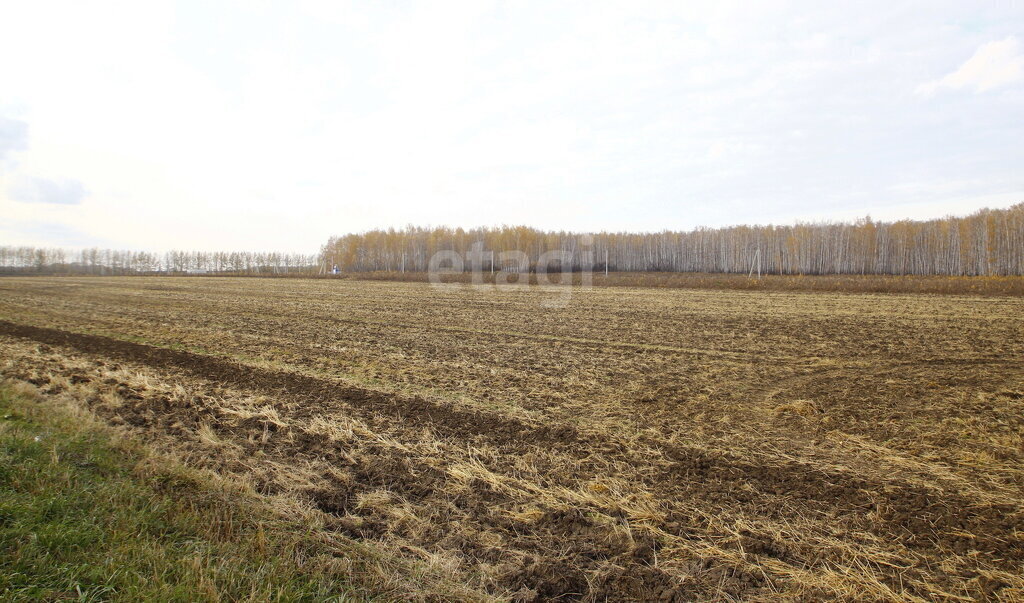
(757, 263)
(606, 263)
(492, 261)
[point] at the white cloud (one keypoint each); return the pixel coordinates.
(262, 125)
(13, 136)
(993, 65)
(59, 191)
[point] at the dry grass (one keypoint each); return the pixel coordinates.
(91, 514)
(637, 443)
(849, 283)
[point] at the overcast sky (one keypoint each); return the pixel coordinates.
(256, 125)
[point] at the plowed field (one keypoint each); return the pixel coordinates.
(636, 444)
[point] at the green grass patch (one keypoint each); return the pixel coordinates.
(86, 517)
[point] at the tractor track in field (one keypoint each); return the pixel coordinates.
(924, 521)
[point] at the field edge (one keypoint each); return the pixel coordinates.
(88, 512)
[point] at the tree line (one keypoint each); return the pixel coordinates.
(988, 242)
(40, 260)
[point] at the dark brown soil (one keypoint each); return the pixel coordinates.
(565, 554)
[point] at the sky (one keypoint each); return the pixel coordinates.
(271, 126)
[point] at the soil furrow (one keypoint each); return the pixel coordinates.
(902, 510)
